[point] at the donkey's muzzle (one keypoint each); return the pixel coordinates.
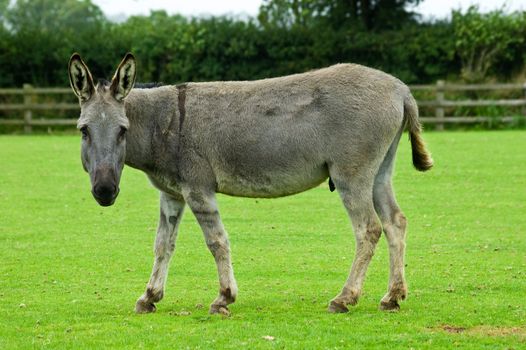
(105, 187)
(105, 194)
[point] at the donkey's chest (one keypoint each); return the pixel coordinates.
(165, 183)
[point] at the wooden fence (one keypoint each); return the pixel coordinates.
(29, 106)
(439, 104)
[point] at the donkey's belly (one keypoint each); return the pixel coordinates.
(266, 184)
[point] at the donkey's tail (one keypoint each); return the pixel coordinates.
(422, 160)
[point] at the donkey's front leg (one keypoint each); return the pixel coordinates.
(171, 213)
(204, 207)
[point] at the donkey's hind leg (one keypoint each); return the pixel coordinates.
(394, 227)
(356, 193)
(171, 213)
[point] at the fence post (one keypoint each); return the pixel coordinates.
(524, 106)
(28, 114)
(439, 109)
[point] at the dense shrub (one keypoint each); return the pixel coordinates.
(38, 37)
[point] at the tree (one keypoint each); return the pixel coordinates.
(3, 9)
(53, 15)
(44, 33)
(483, 39)
(366, 14)
(5, 46)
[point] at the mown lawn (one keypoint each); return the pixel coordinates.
(70, 271)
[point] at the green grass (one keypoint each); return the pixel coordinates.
(70, 271)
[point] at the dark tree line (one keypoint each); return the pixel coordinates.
(359, 14)
(37, 38)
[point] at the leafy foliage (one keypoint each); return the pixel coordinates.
(40, 34)
(482, 40)
(289, 36)
(364, 14)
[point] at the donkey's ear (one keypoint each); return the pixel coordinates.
(80, 78)
(124, 78)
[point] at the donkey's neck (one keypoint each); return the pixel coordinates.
(152, 114)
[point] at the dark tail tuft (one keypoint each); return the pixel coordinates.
(422, 160)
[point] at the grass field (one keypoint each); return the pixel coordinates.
(70, 271)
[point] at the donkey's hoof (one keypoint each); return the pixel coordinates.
(143, 307)
(390, 305)
(219, 309)
(337, 308)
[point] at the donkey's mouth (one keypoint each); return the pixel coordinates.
(107, 200)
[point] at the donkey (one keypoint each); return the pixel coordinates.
(266, 138)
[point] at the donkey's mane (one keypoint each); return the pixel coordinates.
(103, 83)
(147, 85)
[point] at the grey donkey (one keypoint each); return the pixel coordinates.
(266, 138)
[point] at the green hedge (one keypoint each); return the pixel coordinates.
(38, 37)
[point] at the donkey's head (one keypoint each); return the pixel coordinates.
(103, 124)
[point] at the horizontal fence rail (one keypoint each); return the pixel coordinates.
(440, 103)
(29, 94)
(23, 113)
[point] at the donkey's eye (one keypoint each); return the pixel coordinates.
(122, 132)
(84, 131)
